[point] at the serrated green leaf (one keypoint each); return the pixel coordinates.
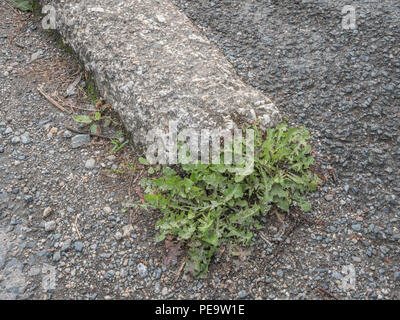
(97, 116)
(94, 128)
(143, 161)
(83, 119)
(23, 5)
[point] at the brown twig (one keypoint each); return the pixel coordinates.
(51, 100)
(299, 215)
(15, 10)
(278, 247)
(76, 227)
(89, 133)
(320, 175)
(333, 175)
(180, 269)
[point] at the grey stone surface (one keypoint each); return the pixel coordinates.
(79, 140)
(153, 66)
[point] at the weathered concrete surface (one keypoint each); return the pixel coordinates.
(153, 65)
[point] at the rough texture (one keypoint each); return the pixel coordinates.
(356, 216)
(153, 65)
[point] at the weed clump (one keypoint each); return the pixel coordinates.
(210, 204)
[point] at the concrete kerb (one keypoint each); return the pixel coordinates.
(153, 66)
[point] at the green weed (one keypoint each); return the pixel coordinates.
(206, 205)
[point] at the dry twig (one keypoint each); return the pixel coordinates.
(180, 269)
(51, 100)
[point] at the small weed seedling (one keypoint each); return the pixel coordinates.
(207, 205)
(23, 5)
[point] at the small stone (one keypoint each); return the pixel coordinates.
(56, 256)
(67, 134)
(15, 140)
(107, 210)
(389, 170)
(356, 227)
(337, 275)
(8, 130)
(35, 56)
(118, 235)
(242, 294)
(50, 226)
(1, 150)
(126, 230)
(28, 198)
(25, 138)
(160, 18)
(78, 246)
(111, 157)
(396, 276)
(123, 273)
(4, 197)
(66, 245)
(384, 249)
(90, 163)
(34, 271)
(46, 212)
(329, 197)
(79, 140)
(279, 273)
(142, 270)
(164, 291)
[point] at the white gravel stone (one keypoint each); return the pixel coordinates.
(90, 164)
(50, 226)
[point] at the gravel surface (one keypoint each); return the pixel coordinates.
(343, 85)
(63, 233)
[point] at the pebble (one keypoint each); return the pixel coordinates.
(142, 270)
(46, 212)
(118, 235)
(35, 56)
(15, 140)
(164, 291)
(67, 134)
(50, 226)
(25, 138)
(80, 140)
(90, 164)
(66, 245)
(57, 256)
(78, 245)
(337, 275)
